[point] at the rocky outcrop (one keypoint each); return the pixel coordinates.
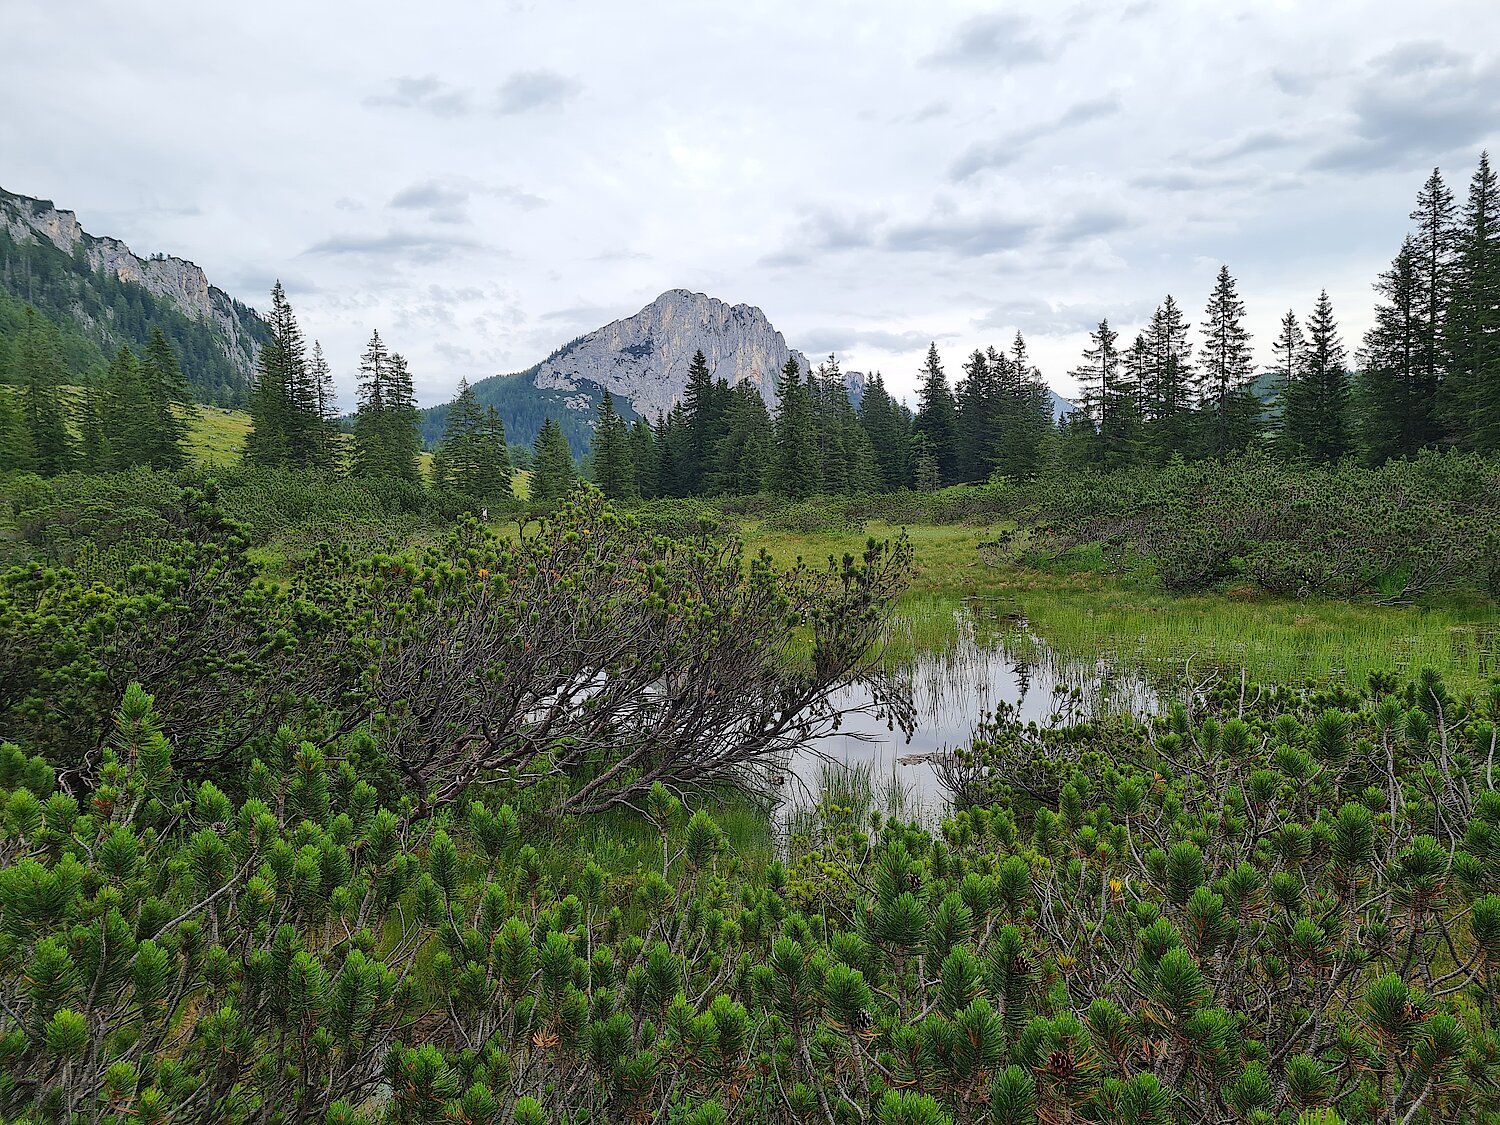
(645, 358)
(175, 280)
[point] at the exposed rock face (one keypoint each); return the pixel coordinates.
(175, 280)
(645, 358)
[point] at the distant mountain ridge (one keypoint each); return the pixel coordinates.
(113, 296)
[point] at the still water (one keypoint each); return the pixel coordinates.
(991, 657)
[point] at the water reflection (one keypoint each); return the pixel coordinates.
(990, 657)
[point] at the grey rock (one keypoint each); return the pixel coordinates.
(175, 280)
(645, 358)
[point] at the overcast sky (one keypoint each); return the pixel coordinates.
(484, 181)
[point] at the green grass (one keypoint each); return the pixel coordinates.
(217, 436)
(1080, 611)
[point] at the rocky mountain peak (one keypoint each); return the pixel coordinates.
(644, 358)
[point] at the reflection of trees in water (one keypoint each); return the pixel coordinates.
(988, 660)
(994, 658)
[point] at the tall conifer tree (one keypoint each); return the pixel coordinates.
(553, 473)
(1316, 415)
(937, 416)
(1230, 412)
(1472, 330)
(795, 468)
(614, 468)
(1434, 247)
(1396, 414)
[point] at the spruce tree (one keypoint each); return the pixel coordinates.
(1316, 416)
(888, 427)
(937, 416)
(1287, 349)
(128, 412)
(371, 457)
(553, 473)
(832, 415)
(978, 414)
(169, 403)
(476, 461)
(742, 458)
(1395, 407)
(614, 469)
(1025, 412)
(795, 467)
(387, 434)
(1099, 393)
(1169, 392)
(329, 445)
(288, 423)
(403, 423)
(1225, 364)
(37, 368)
(1472, 328)
(705, 401)
(643, 457)
(15, 439)
(1434, 247)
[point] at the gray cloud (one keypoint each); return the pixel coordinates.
(527, 90)
(428, 94)
(1253, 143)
(1086, 224)
(1415, 105)
(966, 237)
(442, 204)
(394, 245)
(1011, 147)
(995, 40)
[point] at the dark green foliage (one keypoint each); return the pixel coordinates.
(386, 436)
(1472, 328)
(888, 424)
(742, 457)
(796, 469)
(1397, 531)
(1315, 416)
(36, 368)
(473, 459)
(937, 417)
(1231, 415)
(553, 473)
(613, 462)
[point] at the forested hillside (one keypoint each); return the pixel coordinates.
(95, 312)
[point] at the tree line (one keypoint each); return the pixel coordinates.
(1426, 375)
(723, 440)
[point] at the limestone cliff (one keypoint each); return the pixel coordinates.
(177, 282)
(645, 358)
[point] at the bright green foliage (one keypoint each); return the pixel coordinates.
(268, 956)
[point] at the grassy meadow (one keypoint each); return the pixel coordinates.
(1084, 612)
